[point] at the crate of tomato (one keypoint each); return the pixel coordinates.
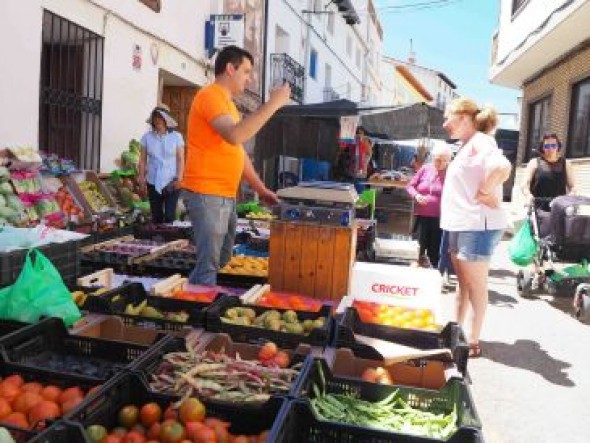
(32, 398)
(127, 410)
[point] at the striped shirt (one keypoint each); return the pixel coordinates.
(161, 157)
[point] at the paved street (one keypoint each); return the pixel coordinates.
(532, 383)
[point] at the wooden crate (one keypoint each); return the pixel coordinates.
(310, 259)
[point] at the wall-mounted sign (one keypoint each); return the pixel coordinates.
(224, 30)
(348, 125)
(136, 58)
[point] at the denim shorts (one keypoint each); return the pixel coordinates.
(474, 245)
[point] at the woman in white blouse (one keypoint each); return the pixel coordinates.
(161, 165)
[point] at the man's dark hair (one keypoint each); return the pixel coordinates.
(233, 55)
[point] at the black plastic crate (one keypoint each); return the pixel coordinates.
(299, 424)
(162, 232)
(302, 424)
(47, 345)
(451, 337)
(255, 335)
(64, 256)
(62, 381)
(115, 301)
(62, 432)
(130, 388)
(9, 326)
(149, 364)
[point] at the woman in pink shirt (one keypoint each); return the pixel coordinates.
(470, 207)
(426, 190)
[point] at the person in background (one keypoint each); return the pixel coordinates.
(217, 162)
(549, 175)
(161, 165)
(426, 189)
(470, 207)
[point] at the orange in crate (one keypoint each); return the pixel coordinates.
(202, 297)
(289, 301)
(395, 316)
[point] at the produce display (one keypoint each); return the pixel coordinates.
(377, 375)
(393, 413)
(94, 197)
(201, 297)
(186, 422)
(390, 414)
(143, 310)
(68, 205)
(29, 405)
(131, 248)
(217, 376)
(80, 297)
(12, 209)
(272, 320)
(396, 316)
(261, 214)
(244, 265)
(289, 301)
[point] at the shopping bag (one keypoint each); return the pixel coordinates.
(523, 247)
(39, 291)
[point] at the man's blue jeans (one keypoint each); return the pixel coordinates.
(214, 228)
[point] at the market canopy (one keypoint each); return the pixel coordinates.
(312, 131)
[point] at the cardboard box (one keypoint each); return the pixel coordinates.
(112, 328)
(396, 286)
(428, 374)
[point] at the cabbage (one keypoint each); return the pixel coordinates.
(7, 212)
(4, 173)
(2, 201)
(5, 188)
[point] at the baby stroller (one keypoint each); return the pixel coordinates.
(562, 234)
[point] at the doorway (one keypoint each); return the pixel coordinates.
(178, 94)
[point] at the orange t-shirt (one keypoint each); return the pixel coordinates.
(213, 166)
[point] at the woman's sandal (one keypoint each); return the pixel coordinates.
(474, 350)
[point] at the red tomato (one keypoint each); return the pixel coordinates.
(172, 432)
(133, 437)
(150, 413)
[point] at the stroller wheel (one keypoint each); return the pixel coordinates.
(582, 303)
(524, 282)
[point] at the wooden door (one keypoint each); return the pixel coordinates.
(179, 99)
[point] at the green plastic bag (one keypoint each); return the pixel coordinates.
(39, 291)
(523, 246)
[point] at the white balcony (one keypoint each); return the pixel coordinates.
(530, 41)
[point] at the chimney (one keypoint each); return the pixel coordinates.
(412, 55)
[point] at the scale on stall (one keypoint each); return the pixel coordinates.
(329, 203)
(396, 248)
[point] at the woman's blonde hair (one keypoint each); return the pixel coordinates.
(485, 118)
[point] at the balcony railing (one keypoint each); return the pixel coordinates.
(284, 68)
(330, 95)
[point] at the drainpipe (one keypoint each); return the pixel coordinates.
(264, 50)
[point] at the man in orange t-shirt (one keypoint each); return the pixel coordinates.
(216, 161)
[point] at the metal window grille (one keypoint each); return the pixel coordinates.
(284, 68)
(70, 101)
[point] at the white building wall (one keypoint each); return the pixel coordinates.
(307, 31)
(20, 46)
(514, 29)
(177, 32)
